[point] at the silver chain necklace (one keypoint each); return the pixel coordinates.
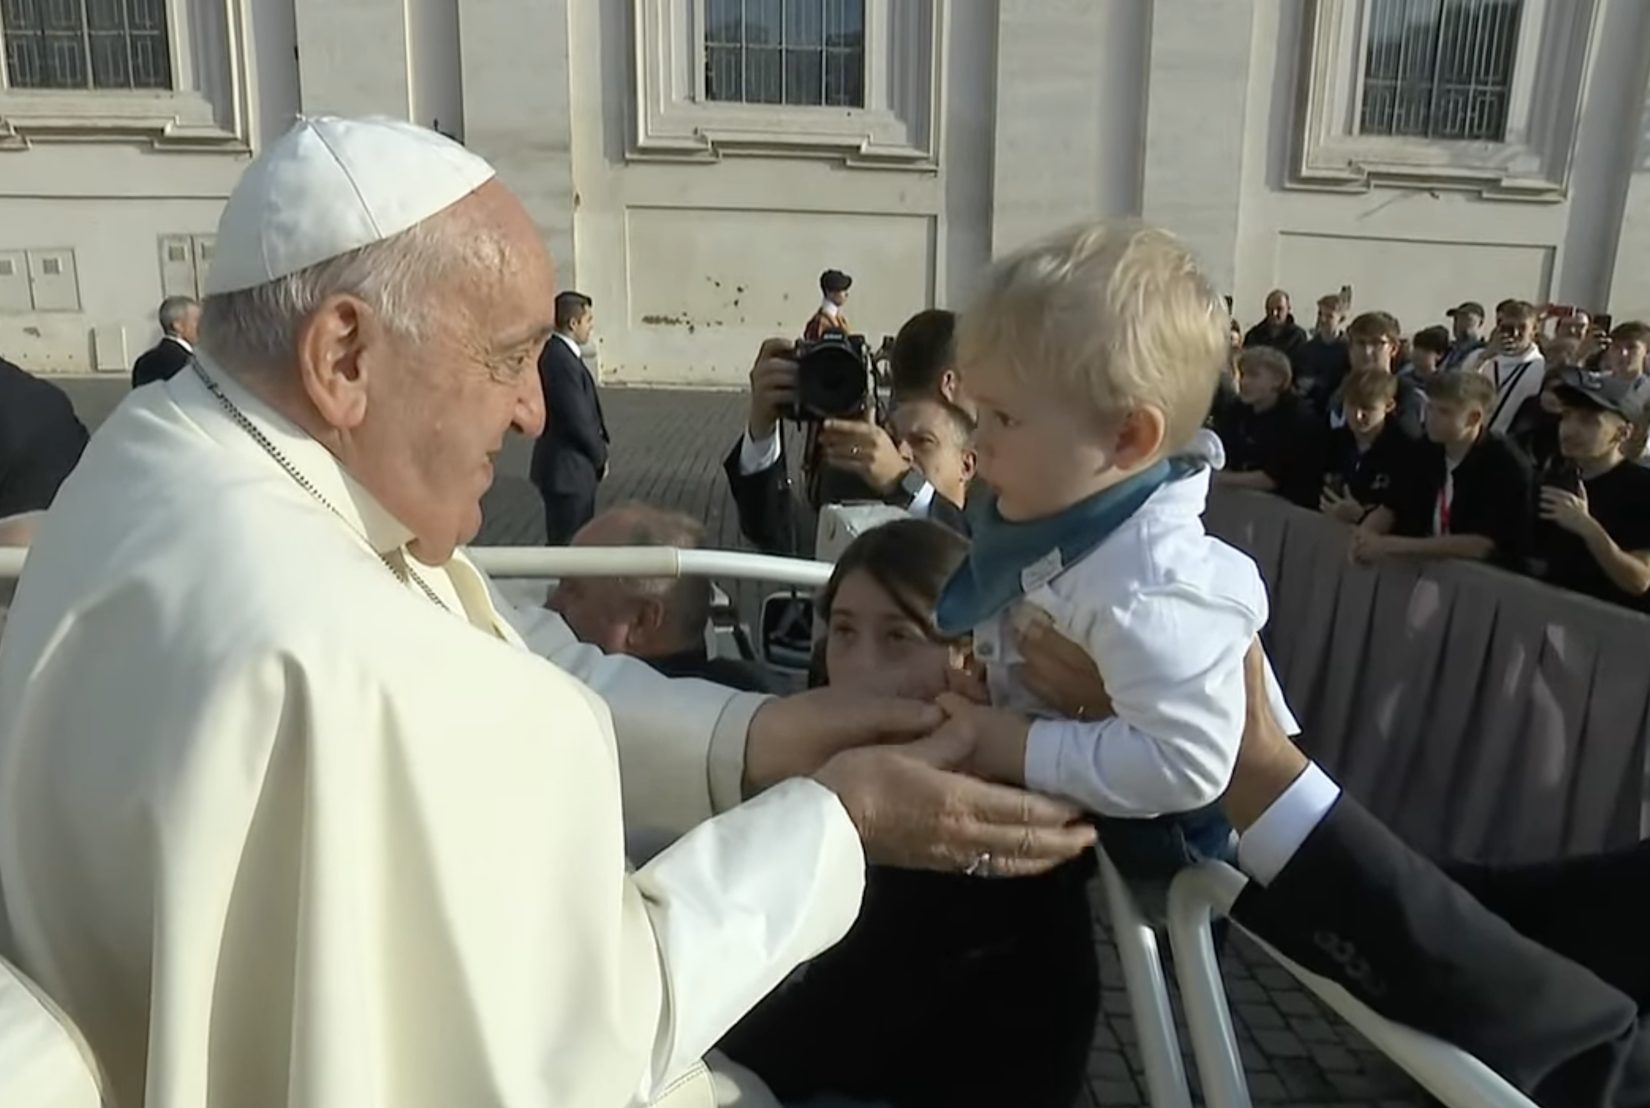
(403, 574)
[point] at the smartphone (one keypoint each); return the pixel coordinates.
(1335, 483)
(1603, 322)
(1228, 300)
(1346, 298)
(1563, 474)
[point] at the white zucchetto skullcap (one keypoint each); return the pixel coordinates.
(331, 185)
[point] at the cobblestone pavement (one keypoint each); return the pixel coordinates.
(668, 447)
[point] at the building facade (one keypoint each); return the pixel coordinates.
(695, 164)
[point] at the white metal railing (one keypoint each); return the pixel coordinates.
(505, 562)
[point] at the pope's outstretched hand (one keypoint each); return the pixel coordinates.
(911, 806)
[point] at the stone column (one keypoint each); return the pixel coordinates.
(1198, 69)
(518, 111)
(352, 57)
(1069, 115)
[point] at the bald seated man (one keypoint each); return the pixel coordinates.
(661, 620)
(293, 812)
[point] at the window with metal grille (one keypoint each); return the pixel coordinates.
(86, 44)
(1439, 69)
(798, 52)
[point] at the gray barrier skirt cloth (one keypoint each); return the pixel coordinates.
(1482, 715)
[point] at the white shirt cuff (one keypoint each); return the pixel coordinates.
(1272, 840)
(754, 457)
(921, 502)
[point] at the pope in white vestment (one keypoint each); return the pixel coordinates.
(287, 818)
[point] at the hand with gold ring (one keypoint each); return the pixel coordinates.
(1061, 673)
(860, 447)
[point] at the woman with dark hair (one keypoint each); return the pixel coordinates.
(950, 990)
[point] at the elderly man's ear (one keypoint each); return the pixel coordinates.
(334, 348)
(645, 628)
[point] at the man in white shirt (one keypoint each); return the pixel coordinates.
(1512, 362)
(859, 450)
(292, 813)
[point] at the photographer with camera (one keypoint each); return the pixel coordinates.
(849, 456)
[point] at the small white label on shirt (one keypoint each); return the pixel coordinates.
(1042, 571)
(985, 642)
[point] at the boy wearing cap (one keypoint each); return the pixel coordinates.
(1594, 534)
(833, 290)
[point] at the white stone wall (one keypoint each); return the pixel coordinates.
(1188, 112)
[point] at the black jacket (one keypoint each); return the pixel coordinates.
(41, 440)
(1320, 367)
(1286, 442)
(1289, 337)
(773, 521)
(570, 455)
(161, 362)
(1536, 970)
(1494, 496)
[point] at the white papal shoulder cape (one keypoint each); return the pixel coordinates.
(277, 829)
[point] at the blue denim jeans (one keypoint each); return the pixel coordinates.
(1149, 852)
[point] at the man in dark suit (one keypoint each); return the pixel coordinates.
(859, 460)
(570, 458)
(180, 322)
(40, 440)
(1539, 971)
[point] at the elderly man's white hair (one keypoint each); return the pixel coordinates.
(257, 328)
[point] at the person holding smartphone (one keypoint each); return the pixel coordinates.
(1594, 532)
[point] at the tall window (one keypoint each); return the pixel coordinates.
(1439, 69)
(799, 52)
(86, 44)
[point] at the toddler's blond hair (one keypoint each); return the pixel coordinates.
(1114, 315)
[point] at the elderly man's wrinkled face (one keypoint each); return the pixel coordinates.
(601, 612)
(437, 409)
(1277, 309)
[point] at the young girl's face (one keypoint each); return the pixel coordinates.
(872, 643)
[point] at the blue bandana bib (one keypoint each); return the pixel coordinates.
(1006, 560)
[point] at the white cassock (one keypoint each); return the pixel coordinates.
(277, 829)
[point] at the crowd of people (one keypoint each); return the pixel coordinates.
(291, 798)
(1524, 448)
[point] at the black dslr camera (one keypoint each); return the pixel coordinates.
(833, 378)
